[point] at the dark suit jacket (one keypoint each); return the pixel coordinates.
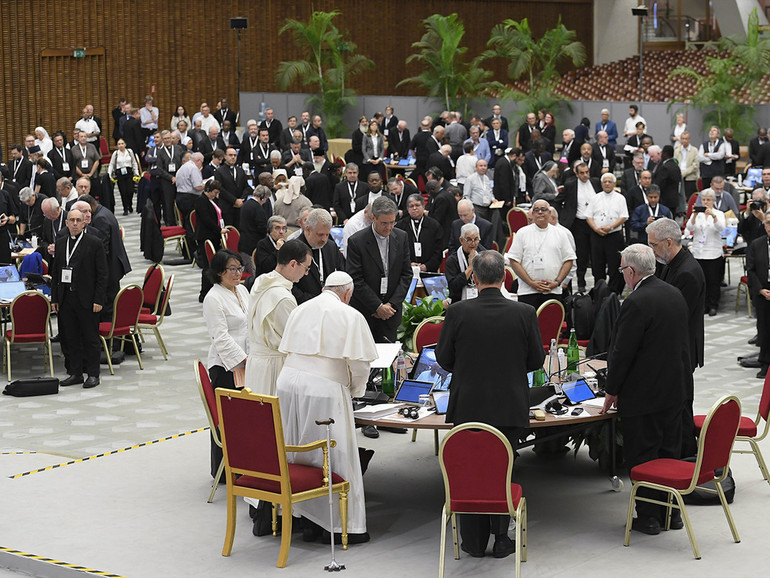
(488, 383)
(430, 242)
(23, 175)
(206, 148)
(267, 256)
(232, 188)
(311, 285)
(274, 130)
(89, 272)
(231, 116)
(503, 122)
(763, 156)
(161, 169)
(258, 162)
(668, 177)
(497, 145)
(421, 149)
(363, 199)
(597, 155)
(436, 159)
(341, 198)
(757, 266)
(252, 225)
(628, 181)
(754, 147)
(444, 210)
(320, 133)
(389, 125)
(231, 140)
(398, 143)
(57, 163)
(117, 259)
(207, 225)
(319, 190)
(504, 187)
(409, 189)
(566, 202)
(134, 136)
(285, 138)
(649, 359)
(684, 273)
(530, 167)
(486, 232)
(47, 182)
(364, 265)
(455, 276)
(51, 229)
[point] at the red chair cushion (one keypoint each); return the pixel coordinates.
(490, 506)
(146, 310)
(745, 279)
(147, 319)
(302, 478)
(172, 231)
(29, 338)
(747, 428)
(104, 329)
(675, 474)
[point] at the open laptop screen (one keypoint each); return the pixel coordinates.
(428, 370)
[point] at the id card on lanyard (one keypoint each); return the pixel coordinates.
(66, 272)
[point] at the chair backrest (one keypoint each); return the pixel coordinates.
(206, 392)
(209, 247)
(691, 203)
(508, 243)
(44, 266)
(442, 266)
(764, 402)
(516, 218)
(128, 305)
(104, 150)
(427, 332)
(164, 302)
(476, 462)
(193, 219)
(510, 277)
(550, 317)
(29, 314)
(178, 215)
(153, 287)
(231, 238)
(717, 436)
(252, 434)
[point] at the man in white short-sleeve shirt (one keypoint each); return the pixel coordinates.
(606, 214)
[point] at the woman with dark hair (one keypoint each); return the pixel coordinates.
(549, 131)
(224, 310)
(180, 114)
(373, 148)
(581, 132)
(209, 226)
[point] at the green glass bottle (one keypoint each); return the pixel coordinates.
(388, 382)
(538, 379)
(573, 352)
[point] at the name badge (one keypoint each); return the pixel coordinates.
(298, 171)
(383, 285)
(84, 164)
(66, 275)
(123, 171)
(65, 167)
(245, 167)
(605, 164)
(538, 264)
(418, 249)
(171, 167)
(470, 293)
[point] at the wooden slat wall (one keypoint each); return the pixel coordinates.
(185, 48)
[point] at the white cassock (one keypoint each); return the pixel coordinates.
(270, 304)
(329, 350)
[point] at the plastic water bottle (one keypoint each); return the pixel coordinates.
(562, 360)
(400, 367)
(553, 359)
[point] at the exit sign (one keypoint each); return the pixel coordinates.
(79, 53)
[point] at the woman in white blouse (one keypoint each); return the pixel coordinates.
(181, 114)
(679, 128)
(122, 169)
(224, 311)
(373, 147)
(706, 225)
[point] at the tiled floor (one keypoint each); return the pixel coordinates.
(142, 513)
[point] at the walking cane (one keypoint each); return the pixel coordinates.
(333, 566)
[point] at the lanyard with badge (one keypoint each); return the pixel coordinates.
(417, 244)
(470, 291)
(65, 166)
(538, 262)
(84, 162)
(171, 163)
(320, 264)
(66, 272)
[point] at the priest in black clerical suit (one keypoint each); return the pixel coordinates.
(325, 261)
(344, 199)
(424, 235)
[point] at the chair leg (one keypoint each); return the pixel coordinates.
(629, 517)
(414, 435)
(687, 525)
(283, 555)
(215, 485)
(141, 335)
(454, 537)
(109, 355)
(163, 349)
(728, 513)
(435, 441)
(344, 518)
(50, 356)
(136, 350)
(760, 459)
(231, 515)
(186, 247)
(523, 524)
(7, 353)
(442, 547)
(517, 554)
(274, 519)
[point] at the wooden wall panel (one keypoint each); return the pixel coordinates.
(186, 50)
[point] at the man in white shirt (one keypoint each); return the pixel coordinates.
(478, 189)
(149, 117)
(360, 220)
(207, 119)
(606, 214)
(687, 156)
(88, 125)
(634, 117)
(541, 256)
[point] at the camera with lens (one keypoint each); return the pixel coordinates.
(758, 205)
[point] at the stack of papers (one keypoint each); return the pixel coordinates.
(377, 411)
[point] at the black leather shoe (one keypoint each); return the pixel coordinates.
(92, 381)
(754, 356)
(753, 341)
(762, 373)
(712, 312)
(370, 431)
(503, 547)
(55, 338)
(649, 526)
(751, 362)
(470, 552)
(71, 380)
(676, 520)
(399, 430)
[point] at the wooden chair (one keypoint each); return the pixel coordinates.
(125, 316)
(678, 478)
(254, 449)
(550, 317)
(210, 406)
(476, 463)
(155, 320)
(30, 313)
(748, 429)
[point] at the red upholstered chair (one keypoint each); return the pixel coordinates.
(152, 288)
(254, 449)
(508, 243)
(550, 317)
(154, 321)
(510, 277)
(678, 477)
(104, 150)
(426, 333)
(230, 240)
(748, 429)
(516, 219)
(442, 266)
(30, 313)
(692, 200)
(125, 315)
(743, 287)
(210, 405)
(210, 250)
(176, 233)
(476, 462)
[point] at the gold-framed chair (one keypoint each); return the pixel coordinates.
(254, 449)
(550, 318)
(426, 333)
(678, 477)
(154, 321)
(210, 405)
(125, 316)
(30, 315)
(476, 462)
(743, 288)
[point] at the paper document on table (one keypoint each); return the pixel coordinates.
(595, 402)
(377, 411)
(387, 353)
(423, 412)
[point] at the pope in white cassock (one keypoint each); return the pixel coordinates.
(329, 349)
(270, 304)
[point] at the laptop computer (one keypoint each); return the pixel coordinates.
(411, 390)
(753, 177)
(410, 292)
(427, 370)
(577, 391)
(11, 285)
(436, 286)
(337, 234)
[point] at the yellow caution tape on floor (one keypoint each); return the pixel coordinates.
(60, 563)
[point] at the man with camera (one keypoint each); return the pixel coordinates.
(750, 224)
